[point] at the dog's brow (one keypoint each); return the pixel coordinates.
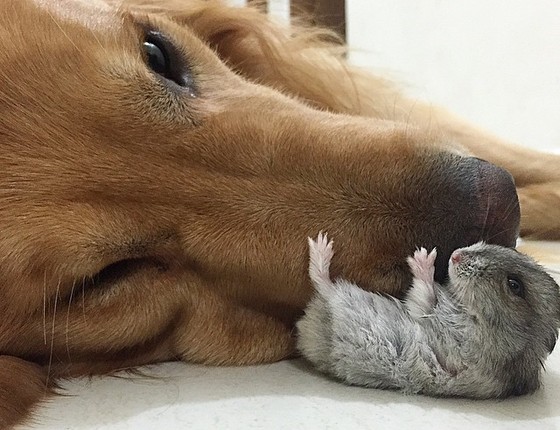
(130, 23)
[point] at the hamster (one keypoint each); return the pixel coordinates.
(485, 333)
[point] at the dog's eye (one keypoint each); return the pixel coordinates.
(164, 59)
(157, 58)
(516, 286)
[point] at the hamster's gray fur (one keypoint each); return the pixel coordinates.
(483, 334)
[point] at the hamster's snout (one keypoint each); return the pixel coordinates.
(468, 261)
(459, 257)
(465, 262)
(456, 257)
(455, 262)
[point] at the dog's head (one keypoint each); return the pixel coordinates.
(133, 155)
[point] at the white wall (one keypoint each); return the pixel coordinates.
(495, 62)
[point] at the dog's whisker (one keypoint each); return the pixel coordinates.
(45, 308)
(485, 223)
(498, 233)
(68, 320)
(509, 209)
(408, 117)
(62, 30)
(84, 299)
(49, 366)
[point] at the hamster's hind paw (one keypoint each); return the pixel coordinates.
(320, 255)
(322, 247)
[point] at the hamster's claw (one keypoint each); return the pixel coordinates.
(321, 249)
(422, 264)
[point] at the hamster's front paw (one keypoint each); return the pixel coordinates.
(421, 298)
(422, 264)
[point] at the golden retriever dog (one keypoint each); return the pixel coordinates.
(164, 161)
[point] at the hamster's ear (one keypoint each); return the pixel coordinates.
(22, 386)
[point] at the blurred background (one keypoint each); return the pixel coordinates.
(496, 63)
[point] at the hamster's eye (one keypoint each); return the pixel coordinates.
(516, 286)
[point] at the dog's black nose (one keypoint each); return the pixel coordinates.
(498, 215)
(475, 200)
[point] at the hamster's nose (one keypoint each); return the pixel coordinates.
(456, 257)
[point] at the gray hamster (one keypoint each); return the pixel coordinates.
(485, 333)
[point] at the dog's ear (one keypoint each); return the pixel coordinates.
(22, 386)
(285, 57)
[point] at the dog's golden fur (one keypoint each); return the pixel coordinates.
(139, 224)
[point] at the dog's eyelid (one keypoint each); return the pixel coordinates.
(141, 28)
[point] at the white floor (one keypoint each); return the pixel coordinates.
(496, 63)
(283, 396)
(286, 395)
